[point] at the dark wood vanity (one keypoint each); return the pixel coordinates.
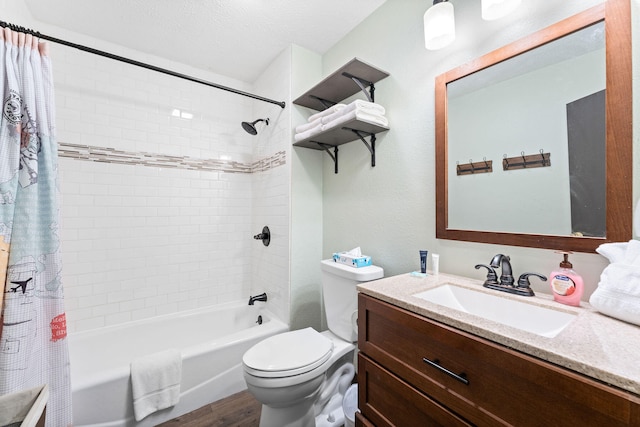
(475, 382)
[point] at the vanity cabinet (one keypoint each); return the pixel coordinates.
(351, 78)
(413, 371)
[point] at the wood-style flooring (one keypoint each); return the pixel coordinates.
(238, 410)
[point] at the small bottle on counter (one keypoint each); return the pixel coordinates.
(435, 264)
(566, 285)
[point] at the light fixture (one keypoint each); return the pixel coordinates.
(495, 9)
(439, 25)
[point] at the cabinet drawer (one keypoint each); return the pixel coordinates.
(386, 400)
(484, 382)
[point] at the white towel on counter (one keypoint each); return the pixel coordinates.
(357, 114)
(308, 133)
(326, 112)
(618, 292)
(155, 380)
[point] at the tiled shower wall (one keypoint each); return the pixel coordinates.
(157, 181)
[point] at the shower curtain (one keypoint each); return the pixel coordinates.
(33, 348)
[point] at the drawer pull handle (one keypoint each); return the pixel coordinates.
(436, 364)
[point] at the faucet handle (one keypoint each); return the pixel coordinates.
(523, 280)
(492, 277)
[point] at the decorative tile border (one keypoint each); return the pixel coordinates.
(111, 155)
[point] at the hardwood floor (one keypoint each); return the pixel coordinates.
(238, 410)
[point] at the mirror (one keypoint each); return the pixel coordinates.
(524, 153)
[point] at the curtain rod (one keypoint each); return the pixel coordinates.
(137, 63)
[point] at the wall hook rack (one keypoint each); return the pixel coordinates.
(539, 160)
(485, 166)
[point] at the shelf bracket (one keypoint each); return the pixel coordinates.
(371, 147)
(325, 102)
(333, 155)
(362, 83)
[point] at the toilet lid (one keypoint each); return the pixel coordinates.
(289, 353)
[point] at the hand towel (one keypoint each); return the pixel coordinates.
(618, 305)
(326, 112)
(621, 278)
(367, 117)
(618, 292)
(614, 252)
(155, 380)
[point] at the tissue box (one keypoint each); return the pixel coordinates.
(352, 260)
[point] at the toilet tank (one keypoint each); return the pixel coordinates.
(339, 283)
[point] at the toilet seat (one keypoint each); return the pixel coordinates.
(288, 354)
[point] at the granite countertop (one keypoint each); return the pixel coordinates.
(593, 344)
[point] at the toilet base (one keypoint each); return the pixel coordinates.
(302, 416)
(299, 416)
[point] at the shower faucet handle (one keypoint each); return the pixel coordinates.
(265, 236)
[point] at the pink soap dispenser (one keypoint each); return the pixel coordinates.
(566, 285)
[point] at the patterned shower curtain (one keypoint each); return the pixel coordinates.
(33, 348)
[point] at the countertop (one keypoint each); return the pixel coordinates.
(593, 344)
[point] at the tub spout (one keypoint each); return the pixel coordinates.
(261, 297)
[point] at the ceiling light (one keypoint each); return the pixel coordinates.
(439, 25)
(494, 9)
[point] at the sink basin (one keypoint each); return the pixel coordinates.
(539, 320)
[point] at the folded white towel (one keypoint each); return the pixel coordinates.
(621, 278)
(306, 126)
(309, 132)
(360, 115)
(618, 305)
(359, 105)
(155, 380)
(370, 107)
(326, 112)
(614, 252)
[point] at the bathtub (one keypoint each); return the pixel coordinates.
(212, 341)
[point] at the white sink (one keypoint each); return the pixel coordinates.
(543, 321)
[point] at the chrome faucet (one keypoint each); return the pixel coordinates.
(262, 297)
(503, 261)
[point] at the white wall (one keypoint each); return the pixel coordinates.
(394, 203)
(306, 203)
(271, 188)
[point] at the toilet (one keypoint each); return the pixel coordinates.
(301, 376)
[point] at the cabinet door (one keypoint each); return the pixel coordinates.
(386, 400)
(484, 382)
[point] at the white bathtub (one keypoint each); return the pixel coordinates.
(212, 342)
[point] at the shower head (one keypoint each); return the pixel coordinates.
(251, 127)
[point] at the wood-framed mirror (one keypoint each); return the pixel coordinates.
(458, 195)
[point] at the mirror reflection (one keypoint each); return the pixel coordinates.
(546, 100)
(522, 111)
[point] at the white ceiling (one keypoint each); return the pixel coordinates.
(235, 38)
